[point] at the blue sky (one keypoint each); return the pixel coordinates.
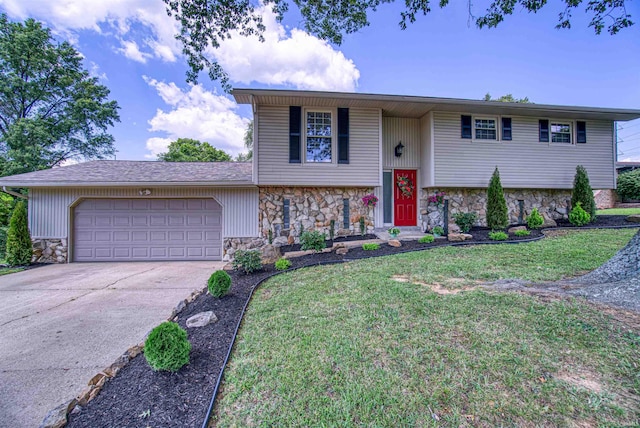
(129, 45)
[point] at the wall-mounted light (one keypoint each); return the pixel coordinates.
(399, 149)
(144, 192)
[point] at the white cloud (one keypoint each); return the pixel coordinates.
(94, 71)
(131, 50)
(296, 59)
(195, 113)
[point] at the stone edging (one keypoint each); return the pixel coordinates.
(58, 417)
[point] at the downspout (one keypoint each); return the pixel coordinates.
(12, 193)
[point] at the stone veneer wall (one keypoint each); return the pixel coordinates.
(551, 203)
(49, 250)
(605, 198)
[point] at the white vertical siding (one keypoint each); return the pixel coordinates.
(273, 152)
(523, 162)
(394, 130)
(426, 152)
(49, 208)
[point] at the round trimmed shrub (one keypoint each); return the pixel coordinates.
(167, 347)
(578, 216)
(535, 219)
(282, 264)
(426, 239)
(219, 283)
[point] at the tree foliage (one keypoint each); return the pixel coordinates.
(19, 247)
(507, 99)
(248, 144)
(583, 193)
(7, 203)
(629, 185)
(190, 150)
(205, 24)
(51, 110)
(497, 214)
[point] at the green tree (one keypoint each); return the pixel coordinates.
(248, 144)
(19, 247)
(189, 150)
(206, 23)
(507, 99)
(497, 214)
(583, 193)
(51, 110)
(7, 204)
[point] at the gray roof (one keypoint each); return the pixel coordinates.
(136, 173)
(416, 106)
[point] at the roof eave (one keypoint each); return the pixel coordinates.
(85, 184)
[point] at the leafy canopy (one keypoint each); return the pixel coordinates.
(189, 150)
(248, 144)
(51, 110)
(507, 99)
(205, 24)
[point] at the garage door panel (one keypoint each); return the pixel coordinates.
(147, 229)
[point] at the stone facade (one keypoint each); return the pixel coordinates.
(551, 203)
(605, 198)
(231, 245)
(49, 250)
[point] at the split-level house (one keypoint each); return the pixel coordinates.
(316, 156)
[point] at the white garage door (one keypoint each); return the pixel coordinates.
(147, 229)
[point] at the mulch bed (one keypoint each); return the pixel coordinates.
(297, 247)
(139, 397)
(602, 221)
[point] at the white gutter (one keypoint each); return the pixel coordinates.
(12, 193)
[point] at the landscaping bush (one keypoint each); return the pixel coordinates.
(437, 231)
(283, 264)
(498, 236)
(393, 231)
(167, 347)
(535, 219)
(313, 240)
(370, 246)
(583, 193)
(3, 242)
(19, 247)
(247, 261)
(497, 214)
(465, 221)
(7, 204)
(629, 185)
(578, 216)
(522, 233)
(219, 283)
(426, 239)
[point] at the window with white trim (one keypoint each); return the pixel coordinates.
(561, 132)
(485, 128)
(318, 136)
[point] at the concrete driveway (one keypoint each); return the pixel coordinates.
(61, 324)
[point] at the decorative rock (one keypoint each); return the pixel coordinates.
(394, 243)
(549, 222)
(98, 380)
(291, 240)
(180, 306)
(270, 253)
(83, 398)
(634, 218)
(280, 241)
(514, 229)
(57, 418)
(456, 237)
(467, 236)
(454, 228)
(342, 251)
(201, 319)
(134, 351)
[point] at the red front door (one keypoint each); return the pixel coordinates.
(405, 197)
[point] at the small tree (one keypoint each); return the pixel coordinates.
(583, 193)
(19, 247)
(629, 185)
(497, 214)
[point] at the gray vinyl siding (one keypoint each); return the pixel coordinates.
(395, 130)
(273, 152)
(49, 208)
(523, 162)
(426, 155)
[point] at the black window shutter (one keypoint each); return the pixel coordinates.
(544, 130)
(295, 125)
(506, 128)
(345, 214)
(343, 135)
(285, 213)
(465, 126)
(582, 132)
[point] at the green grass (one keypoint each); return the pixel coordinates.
(618, 211)
(8, 270)
(348, 345)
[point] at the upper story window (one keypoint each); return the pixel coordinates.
(319, 132)
(485, 129)
(561, 132)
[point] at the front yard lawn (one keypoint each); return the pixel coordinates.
(370, 343)
(618, 211)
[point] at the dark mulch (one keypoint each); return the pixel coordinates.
(182, 398)
(297, 247)
(25, 267)
(602, 221)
